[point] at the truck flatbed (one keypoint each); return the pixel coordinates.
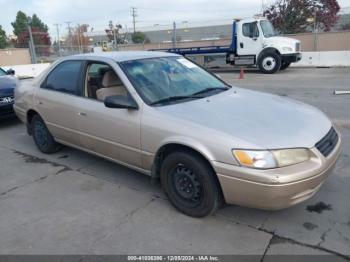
(198, 50)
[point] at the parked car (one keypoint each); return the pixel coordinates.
(7, 86)
(164, 116)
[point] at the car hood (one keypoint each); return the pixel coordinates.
(260, 119)
(7, 85)
(281, 40)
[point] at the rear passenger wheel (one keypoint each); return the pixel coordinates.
(190, 184)
(42, 136)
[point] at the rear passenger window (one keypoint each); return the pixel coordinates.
(65, 77)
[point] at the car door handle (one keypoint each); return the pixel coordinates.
(82, 114)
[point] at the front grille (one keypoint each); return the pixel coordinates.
(297, 47)
(6, 110)
(328, 143)
(6, 100)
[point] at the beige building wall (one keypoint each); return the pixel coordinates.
(326, 41)
(14, 56)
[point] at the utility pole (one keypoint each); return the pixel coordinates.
(113, 28)
(79, 38)
(69, 28)
(315, 31)
(115, 40)
(174, 35)
(69, 34)
(134, 15)
(58, 38)
(125, 34)
(31, 44)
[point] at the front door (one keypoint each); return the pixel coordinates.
(110, 132)
(249, 38)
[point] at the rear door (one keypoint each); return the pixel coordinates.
(57, 100)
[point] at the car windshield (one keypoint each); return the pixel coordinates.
(267, 28)
(2, 72)
(170, 79)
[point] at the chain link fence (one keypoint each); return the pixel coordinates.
(186, 34)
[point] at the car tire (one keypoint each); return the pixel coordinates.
(42, 136)
(269, 63)
(284, 66)
(190, 184)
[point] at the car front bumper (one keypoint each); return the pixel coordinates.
(291, 58)
(6, 111)
(278, 188)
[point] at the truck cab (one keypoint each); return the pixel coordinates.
(255, 42)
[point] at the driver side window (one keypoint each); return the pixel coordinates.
(102, 81)
(250, 30)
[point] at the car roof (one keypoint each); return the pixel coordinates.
(121, 56)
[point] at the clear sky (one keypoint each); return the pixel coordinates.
(151, 13)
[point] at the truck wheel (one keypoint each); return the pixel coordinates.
(190, 184)
(284, 66)
(42, 136)
(269, 63)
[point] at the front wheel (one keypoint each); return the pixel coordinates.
(190, 184)
(269, 63)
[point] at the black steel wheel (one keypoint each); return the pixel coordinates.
(187, 184)
(190, 184)
(42, 136)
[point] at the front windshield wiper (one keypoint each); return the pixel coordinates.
(193, 96)
(173, 98)
(206, 90)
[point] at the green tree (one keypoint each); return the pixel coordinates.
(37, 23)
(20, 24)
(139, 38)
(3, 38)
(291, 16)
(22, 21)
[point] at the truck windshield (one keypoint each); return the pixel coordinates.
(267, 28)
(170, 80)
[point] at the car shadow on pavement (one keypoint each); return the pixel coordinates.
(9, 122)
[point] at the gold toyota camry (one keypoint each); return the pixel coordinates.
(165, 116)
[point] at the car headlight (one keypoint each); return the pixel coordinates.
(271, 158)
(287, 49)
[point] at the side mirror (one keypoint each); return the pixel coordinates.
(120, 102)
(10, 72)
